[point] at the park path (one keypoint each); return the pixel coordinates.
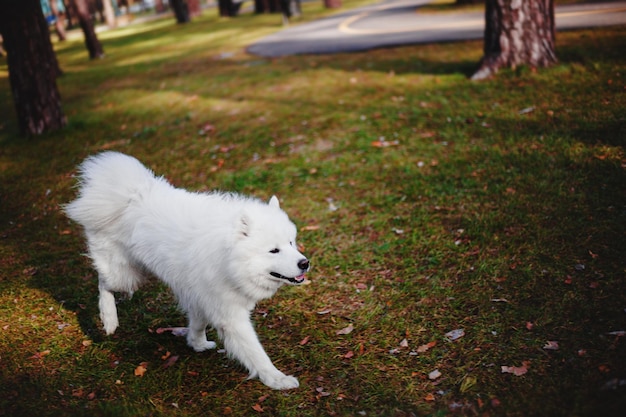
(399, 22)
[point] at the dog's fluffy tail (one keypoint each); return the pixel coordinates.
(107, 184)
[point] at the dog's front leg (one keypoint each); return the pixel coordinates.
(242, 343)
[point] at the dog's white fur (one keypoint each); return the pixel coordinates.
(219, 252)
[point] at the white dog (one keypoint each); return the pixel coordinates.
(220, 253)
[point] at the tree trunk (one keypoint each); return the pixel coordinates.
(517, 32)
(229, 8)
(159, 7)
(181, 10)
(69, 14)
(109, 14)
(266, 6)
(33, 67)
(288, 8)
(81, 10)
(58, 20)
(195, 9)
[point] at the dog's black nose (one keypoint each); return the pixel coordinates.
(303, 264)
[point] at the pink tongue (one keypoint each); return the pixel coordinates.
(299, 278)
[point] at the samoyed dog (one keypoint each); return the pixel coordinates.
(220, 253)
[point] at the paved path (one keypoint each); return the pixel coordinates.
(399, 22)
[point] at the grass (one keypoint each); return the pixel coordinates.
(505, 223)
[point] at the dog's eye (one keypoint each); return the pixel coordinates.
(275, 250)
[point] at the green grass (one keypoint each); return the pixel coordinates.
(475, 203)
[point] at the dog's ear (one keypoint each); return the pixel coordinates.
(243, 227)
(274, 202)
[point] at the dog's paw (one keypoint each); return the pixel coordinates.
(280, 381)
(109, 325)
(203, 345)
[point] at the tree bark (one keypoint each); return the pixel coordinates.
(58, 20)
(517, 32)
(287, 7)
(332, 4)
(159, 7)
(33, 67)
(266, 6)
(229, 8)
(181, 11)
(94, 46)
(69, 14)
(195, 9)
(109, 13)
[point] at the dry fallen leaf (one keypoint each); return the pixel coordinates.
(424, 348)
(115, 143)
(170, 361)
(384, 143)
(434, 375)
(40, 355)
(257, 408)
(176, 331)
(455, 334)
(468, 383)
(141, 369)
(551, 345)
(305, 341)
(31, 270)
(480, 402)
(322, 392)
(515, 370)
(346, 330)
(430, 397)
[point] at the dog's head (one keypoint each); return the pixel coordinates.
(266, 247)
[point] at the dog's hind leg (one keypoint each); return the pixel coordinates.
(196, 335)
(116, 273)
(108, 310)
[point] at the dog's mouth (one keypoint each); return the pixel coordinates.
(294, 280)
